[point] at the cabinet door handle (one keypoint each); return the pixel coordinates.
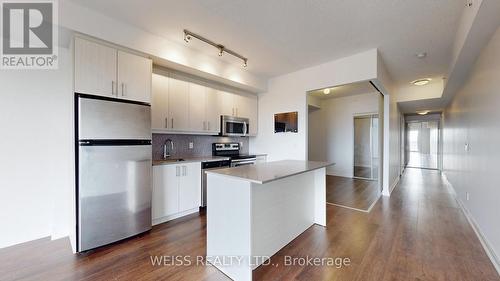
(177, 171)
(172, 123)
(123, 89)
(166, 122)
(208, 126)
(233, 112)
(204, 125)
(112, 87)
(184, 171)
(236, 112)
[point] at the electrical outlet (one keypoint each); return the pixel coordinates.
(191, 145)
(467, 196)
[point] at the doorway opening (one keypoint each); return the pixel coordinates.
(343, 128)
(423, 144)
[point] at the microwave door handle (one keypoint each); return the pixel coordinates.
(246, 128)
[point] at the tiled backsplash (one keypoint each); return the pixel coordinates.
(202, 145)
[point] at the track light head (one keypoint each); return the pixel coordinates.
(221, 51)
(245, 63)
(187, 38)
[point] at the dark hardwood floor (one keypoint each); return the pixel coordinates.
(419, 233)
(352, 193)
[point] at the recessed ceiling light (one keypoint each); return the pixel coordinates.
(421, 82)
(421, 55)
(423, 112)
(326, 91)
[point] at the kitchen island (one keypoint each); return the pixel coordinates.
(253, 211)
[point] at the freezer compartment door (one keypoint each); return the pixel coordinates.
(114, 193)
(105, 119)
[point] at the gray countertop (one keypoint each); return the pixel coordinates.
(270, 171)
(191, 159)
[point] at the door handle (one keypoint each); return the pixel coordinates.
(177, 171)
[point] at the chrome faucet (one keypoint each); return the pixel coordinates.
(166, 152)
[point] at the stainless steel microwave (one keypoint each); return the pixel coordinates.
(231, 126)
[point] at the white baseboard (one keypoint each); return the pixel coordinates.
(490, 252)
(391, 188)
(174, 216)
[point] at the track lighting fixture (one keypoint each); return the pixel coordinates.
(188, 35)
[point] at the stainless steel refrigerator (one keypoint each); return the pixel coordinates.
(113, 160)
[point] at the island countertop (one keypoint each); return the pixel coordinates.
(270, 171)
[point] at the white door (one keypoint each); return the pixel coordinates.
(134, 77)
(165, 190)
(226, 101)
(190, 187)
(197, 122)
(212, 111)
(159, 103)
(178, 104)
(246, 107)
(95, 68)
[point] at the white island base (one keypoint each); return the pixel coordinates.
(254, 211)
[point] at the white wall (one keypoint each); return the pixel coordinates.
(288, 93)
(36, 148)
(331, 136)
(395, 157)
(473, 117)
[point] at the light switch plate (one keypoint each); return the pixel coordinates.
(191, 145)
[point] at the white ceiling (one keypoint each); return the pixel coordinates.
(345, 90)
(281, 36)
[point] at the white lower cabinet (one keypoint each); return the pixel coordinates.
(176, 191)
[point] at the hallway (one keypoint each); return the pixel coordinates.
(419, 233)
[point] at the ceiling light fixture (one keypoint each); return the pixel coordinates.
(421, 55)
(421, 82)
(188, 35)
(326, 91)
(423, 112)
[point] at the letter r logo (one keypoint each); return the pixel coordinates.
(27, 28)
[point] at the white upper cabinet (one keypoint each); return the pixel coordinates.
(105, 71)
(185, 107)
(95, 68)
(197, 101)
(212, 110)
(159, 103)
(134, 77)
(178, 104)
(226, 103)
(247, 107)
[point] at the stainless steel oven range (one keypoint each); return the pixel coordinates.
(232, 150)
